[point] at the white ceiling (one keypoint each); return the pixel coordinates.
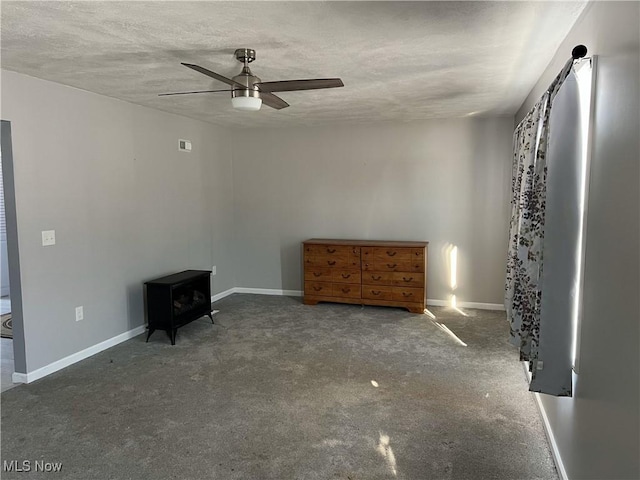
(399, 61)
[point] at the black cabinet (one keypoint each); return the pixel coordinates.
(175, 300)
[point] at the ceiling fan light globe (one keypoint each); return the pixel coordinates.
(247, 104)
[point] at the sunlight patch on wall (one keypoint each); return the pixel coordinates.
(453, 267)
(451, 256)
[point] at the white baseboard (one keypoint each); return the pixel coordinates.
(552, 439)
(221, 295)
(555, 451)
(269, 291)
(480, 306)
(76, 357)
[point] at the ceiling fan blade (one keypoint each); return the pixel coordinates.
(273, 101)
(211, 74)
(291, 85)
(189, 93)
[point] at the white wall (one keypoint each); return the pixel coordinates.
(126, 206)
(441, 181)
(597, 431)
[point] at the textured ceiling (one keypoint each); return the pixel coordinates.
(399, 61)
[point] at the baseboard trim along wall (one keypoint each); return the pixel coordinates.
(555, 451)
(269, 291)
(480, 306)
(76, 357)
(221, 295)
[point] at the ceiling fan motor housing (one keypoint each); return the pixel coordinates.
(248, 80)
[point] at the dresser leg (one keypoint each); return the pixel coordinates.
(211, 317)
(309, 302)
(416, 309)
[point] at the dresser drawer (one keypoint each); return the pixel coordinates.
(407, 279)
(377, 278)
(318, 288)
(384, 254)
(346, 290)
(388, 265)
(318, 274)
(408, 294)
(377, 292)
(332, 250)
(345, 276)
(331, 262)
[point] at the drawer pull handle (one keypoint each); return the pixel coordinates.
(417, 254)
(316, 274)
(407, 279)
(346, 290)
(392, 266)
(391, 254)
(331, 262)
(376, 292)
(405, 294)
(317, 289)
(331, 250)
(373, 277)
(346, 276)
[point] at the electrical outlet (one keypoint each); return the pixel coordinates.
(213, 270)
(79, 313)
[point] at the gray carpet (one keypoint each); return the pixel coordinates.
(280, 390)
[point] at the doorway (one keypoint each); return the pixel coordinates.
(12, 351)
(6, 332)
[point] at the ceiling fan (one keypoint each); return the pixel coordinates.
(248, 92)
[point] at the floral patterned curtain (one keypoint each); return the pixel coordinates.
(523, 292)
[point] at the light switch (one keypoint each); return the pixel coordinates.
(48, 237)
(184, 145)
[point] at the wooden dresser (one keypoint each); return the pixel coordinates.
(366, 272)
